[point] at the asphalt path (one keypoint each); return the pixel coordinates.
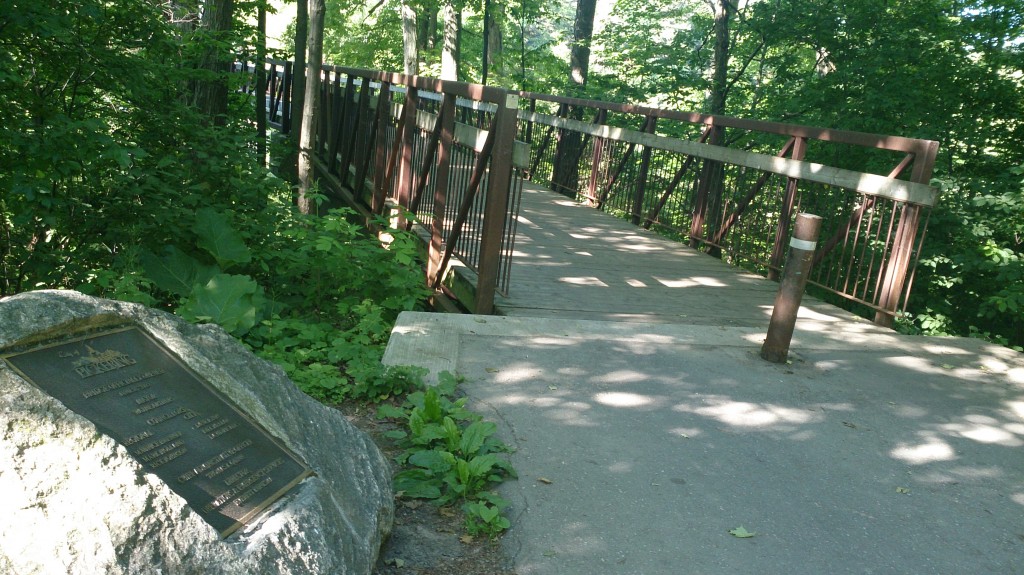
(644, 449)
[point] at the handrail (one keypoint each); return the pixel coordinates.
(924, 150)
(671, 170)
(872, 184)
(385, 148)
(703, 189)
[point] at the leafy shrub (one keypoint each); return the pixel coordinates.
(450, 454)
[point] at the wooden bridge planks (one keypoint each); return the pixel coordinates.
(575, 262)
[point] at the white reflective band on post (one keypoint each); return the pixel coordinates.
(802, 244)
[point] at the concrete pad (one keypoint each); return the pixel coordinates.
(639, 447)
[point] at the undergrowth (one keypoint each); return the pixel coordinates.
(450, 455)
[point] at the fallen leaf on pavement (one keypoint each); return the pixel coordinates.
(741, 532)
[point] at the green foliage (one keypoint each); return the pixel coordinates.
(972, 270)
(450, 454)
(484, 517)
(103, 156)
(334, 294)
(113, 183)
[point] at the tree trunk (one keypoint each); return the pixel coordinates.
(713, 173)
(307, 139)
(261, 83)
(495, 49)
(723, 11)
(410, 44)
(451, 44)
(427, 23)
(210, 94)
(298, 83)
(566, 173)
(579, 55)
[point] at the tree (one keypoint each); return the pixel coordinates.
(410, 42)
(569, 147)
(104, 157)
(299, 70)
(308, 134)
(493, 53)
(211, 89)
(579, 49)
(450, 53)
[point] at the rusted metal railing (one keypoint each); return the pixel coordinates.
(729, 186)
(440, 156)
(276, 101)
(738, 198)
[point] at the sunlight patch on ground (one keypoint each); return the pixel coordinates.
(984, 429)
(750, 415)
(621, 376)
(918, 364)
(641, 248)
(514, 374)
(690, 282)
(622, 399)
(560, 341)
(572, 371)
(686, 432)
(520, 254)
(1016, 407)
(583, 281)
(1016, 375)
(932, 449)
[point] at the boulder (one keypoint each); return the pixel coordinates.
(75, 501)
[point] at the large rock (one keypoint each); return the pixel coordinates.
(73, 500)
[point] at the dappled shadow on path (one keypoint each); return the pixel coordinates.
(572, 261)
(856, 458)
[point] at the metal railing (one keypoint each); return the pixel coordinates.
(441, 154)
(729, 186)
(733, 187)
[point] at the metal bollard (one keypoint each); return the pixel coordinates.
(791, 290)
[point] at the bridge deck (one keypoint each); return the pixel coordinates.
(575, 262)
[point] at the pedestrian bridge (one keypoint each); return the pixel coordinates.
(539, 205)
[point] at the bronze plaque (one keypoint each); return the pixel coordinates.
(176, 425)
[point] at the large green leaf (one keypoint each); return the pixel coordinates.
(231, 301)
(217, 237)
(433, 460)
(474, 435)
(176, 271)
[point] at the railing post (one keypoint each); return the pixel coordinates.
(435, 251)
(499, 181)
(641, 180)
(338, 121)
(898, 265)
(365, 126)
(380, 153)
(286, 99)
(791, 290)
(595, 166)
(405, 168)
(705, 184)
(782, 231)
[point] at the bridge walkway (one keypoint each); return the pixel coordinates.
(574, 262)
